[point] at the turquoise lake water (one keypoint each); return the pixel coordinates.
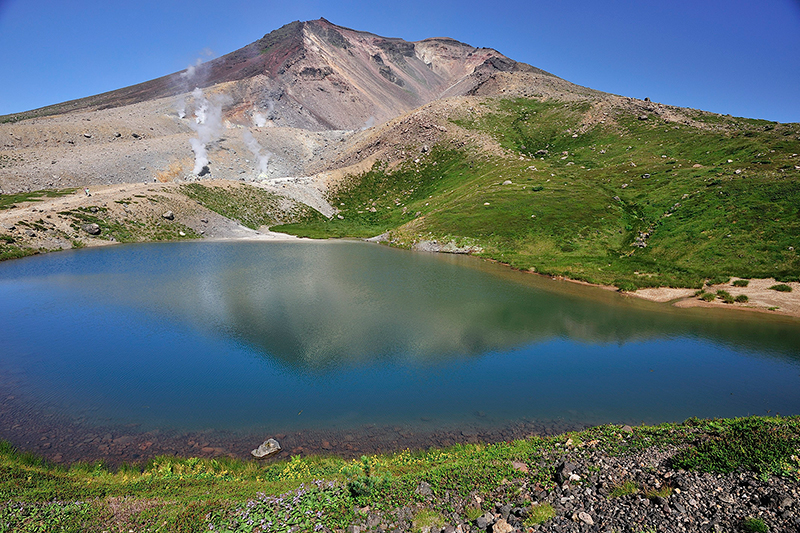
(277, 337)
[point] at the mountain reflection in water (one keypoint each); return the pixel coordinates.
(338, 333)
(345, 304)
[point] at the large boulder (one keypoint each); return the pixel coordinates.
(267, 448)
(91, 229)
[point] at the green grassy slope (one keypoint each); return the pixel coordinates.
(606, 182)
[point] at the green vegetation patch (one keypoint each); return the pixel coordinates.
(8, 201)
(754, 525)
(624, 201)
(624, 489)
(250, 206)
(9, 250)
(539, 513)
(752, 444)
(781, 287)
(126, 230)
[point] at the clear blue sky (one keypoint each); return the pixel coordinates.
(728, 56)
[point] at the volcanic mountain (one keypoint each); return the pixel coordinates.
(316, 75)
(434, 145)
(304, 77)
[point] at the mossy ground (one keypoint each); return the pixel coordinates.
(602, 187)
(189, 494)
(8, 201)
(250, 206)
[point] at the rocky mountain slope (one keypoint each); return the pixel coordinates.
(317, 75)
(304, 77)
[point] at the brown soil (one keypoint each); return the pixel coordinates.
(760, 297)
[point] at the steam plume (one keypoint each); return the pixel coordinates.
(187, 76)
(207, 125)
(252, 144)
(368, 124)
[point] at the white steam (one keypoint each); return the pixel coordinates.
(260, 119)
(188, 77)
(262, 160)
(368, 124)
(207, 125)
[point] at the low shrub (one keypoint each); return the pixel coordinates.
(742, 298)
(625, 286)
(725, 296)
(717, 280)
(781, 287)
(754, 525)
(741, 283)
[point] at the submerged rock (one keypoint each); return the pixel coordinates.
(267, 448)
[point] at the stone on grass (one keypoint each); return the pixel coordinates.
(563, 472)
(169, 215)
(484, 521)
(519, 467)
(424, 489)
(267, 448)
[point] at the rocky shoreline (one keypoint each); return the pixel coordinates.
(598, 492)
(63, 440)
(722, 475)
(698, 502)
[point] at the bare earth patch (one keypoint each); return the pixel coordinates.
(760, 296)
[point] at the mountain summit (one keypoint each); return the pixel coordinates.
(319, 76)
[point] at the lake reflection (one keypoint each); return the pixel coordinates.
(288, 335)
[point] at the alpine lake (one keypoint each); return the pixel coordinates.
(124, 352)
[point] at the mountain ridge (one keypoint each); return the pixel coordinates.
(287, 63)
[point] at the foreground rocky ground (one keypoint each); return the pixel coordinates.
(598, 492)
(724, 475)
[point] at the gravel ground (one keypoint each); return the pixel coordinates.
(586, 499)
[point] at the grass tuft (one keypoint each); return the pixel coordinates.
(626, 488)
(754, 525)
(539, 513)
